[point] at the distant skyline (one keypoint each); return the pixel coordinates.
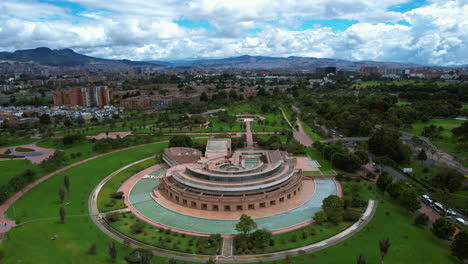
(431, 32)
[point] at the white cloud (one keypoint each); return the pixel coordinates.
(143, 30)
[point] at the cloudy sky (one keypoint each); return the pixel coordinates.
(420, 31)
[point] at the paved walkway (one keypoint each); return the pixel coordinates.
(309, 187)
(248, 135)
(301, 136)
(46, 152)
(227, 248)
(298, 135)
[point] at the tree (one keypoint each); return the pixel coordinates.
(181, 141)
(333, 206)
(361, 259)
(66, 182)
(384, 181)
(246, 224)
(61, 194)
(421, 220)
(44, 119)
(320, 217)
(460, 245)
(62, 214)
(204, 97)
(443, 228)
(384, 245)
(261, 237)
(409, 199)
(92, 250)
(112, 251)
(449, 179)
(386, 143)
(422, 155)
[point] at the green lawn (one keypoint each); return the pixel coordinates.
(304, 236)
(274, 123)
(445, 143)
(28, 243)
(422, 172)
(104, 202)
(447, 124)
(84, 147)
(14, 141)
(164, 238)
(308, 130)
(409, 244)
(11, 168)
(325, 166)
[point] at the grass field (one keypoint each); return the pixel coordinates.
(445, 143)
(409, 244)
(11, 168)
(325, 166)
(314, 136)
(28, 243)
(13, 141)
(104, 201)
(164, 238)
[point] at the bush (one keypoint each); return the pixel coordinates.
(352, 214)
(92, 250)
(117, 195)
(112, 217)
(320, 217)
(137, 227)
(421, 220)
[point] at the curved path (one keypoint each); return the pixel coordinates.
(223, 258)
(4, 207)
(178, 255)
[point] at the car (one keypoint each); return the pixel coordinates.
(460, 220)
(450, 212)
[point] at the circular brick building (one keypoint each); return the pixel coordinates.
(247, 180)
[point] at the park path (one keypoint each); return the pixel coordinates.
(300, 135)
(227, 247)
(4, 207)
(248, 135)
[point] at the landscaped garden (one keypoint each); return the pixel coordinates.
(133, 227)
(108, 199)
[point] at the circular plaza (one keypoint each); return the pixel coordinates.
(202, 195)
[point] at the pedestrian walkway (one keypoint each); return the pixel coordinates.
(248, 135)
(227, 249)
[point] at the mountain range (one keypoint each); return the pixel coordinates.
(62, 57)
(67, 57)
(270, 63)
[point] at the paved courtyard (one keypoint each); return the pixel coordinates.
(39, 154)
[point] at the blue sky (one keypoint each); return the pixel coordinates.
(431, 32)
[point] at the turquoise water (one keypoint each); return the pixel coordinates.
(27, 154)
(141, 200)
(314, 163)
(251, 162)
